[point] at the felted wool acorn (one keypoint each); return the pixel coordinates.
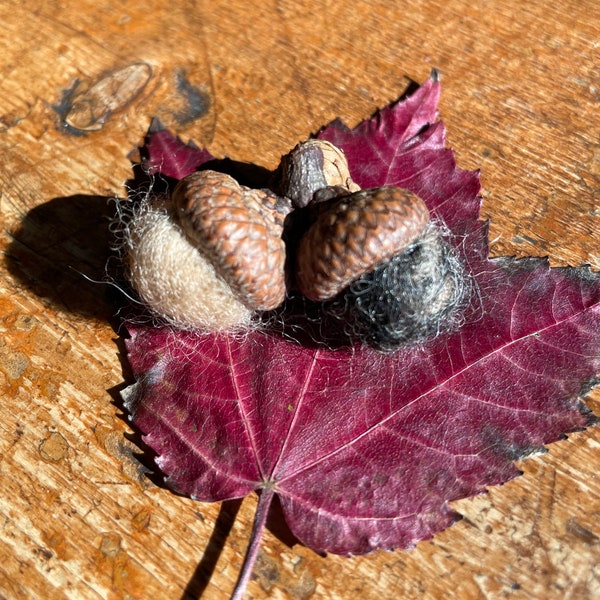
(376, 261)
(210, 256)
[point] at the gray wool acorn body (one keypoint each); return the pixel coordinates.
(374, 259)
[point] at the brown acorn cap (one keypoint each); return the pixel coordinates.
(239, 230)
(354, 235)
(311, 166)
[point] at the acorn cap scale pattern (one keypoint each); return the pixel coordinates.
(240, 231)
(354, 235)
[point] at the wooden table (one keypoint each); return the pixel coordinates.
(78, 516)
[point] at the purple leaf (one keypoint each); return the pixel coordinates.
(366, 450)
(169, 156)
(401, 145)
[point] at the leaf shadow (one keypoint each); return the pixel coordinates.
(61, 253)
(203, 573)
(228, 512)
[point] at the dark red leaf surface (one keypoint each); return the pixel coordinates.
(366, 450)
(169, 156)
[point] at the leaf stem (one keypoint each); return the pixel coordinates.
(258, 528)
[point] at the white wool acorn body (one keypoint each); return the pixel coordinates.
(176, 282)
(209, 256)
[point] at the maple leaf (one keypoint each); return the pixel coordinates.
(366, 450)
(168, 155)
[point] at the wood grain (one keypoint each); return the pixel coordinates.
(79, 518)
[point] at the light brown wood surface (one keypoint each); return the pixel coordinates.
(78, 517)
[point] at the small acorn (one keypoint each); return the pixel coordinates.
(211, 255)
(312, 166)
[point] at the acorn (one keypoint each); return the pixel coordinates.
(312, 166)
(380, 268)
(210, 256)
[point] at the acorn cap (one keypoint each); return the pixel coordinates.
(239, 231)
(312, 166)
(353, 235)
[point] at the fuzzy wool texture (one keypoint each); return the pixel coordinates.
(175, 281)
(414, 296)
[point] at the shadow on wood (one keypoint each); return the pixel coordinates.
(61, 252)
(204, 571)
